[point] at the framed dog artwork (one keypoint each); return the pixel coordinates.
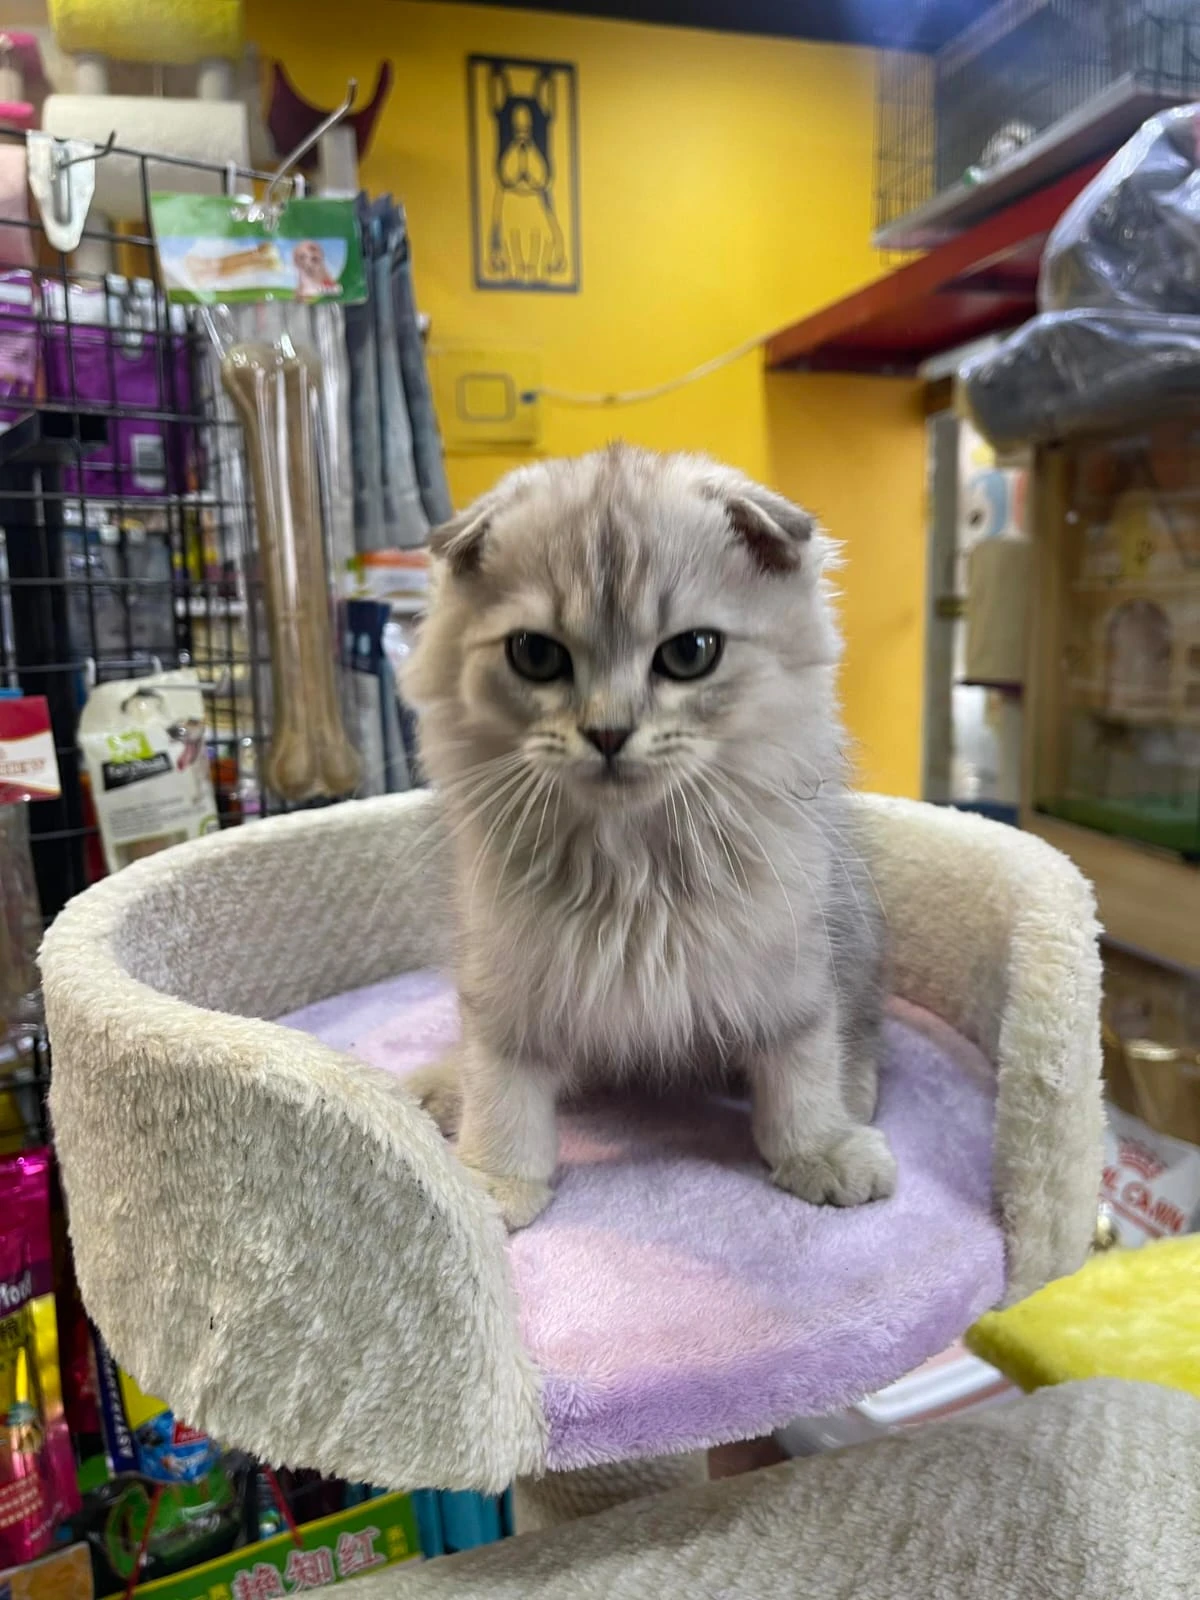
(524, 167)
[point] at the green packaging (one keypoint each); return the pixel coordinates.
(378, 1533)
(229, 250)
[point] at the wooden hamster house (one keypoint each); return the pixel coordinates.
(1113, 768)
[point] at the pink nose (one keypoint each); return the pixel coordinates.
(608, 741)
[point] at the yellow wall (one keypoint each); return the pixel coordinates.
(853, 449)
(726, 190)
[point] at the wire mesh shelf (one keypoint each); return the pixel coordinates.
(1025, 76)
(127, 527)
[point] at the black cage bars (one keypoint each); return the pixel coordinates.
(951, 117)
(126, 525)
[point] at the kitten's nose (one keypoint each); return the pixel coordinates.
(608, 741)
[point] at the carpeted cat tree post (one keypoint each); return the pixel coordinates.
(331, 1288)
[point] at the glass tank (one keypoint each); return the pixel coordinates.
(1118, 746)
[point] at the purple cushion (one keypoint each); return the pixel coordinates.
(672, 1298)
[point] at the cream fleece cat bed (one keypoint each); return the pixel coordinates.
(1087, 1492)
(274, 1237)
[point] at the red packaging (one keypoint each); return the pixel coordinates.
(28, 763)
(37, 1472)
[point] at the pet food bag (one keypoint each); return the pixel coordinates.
(1150, 1183)
(143, 741)
(171, 1498)
(121, 348)
(37, 1471)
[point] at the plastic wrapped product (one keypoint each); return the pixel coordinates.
(124, 350)
(1131, 240)
(18, 347)
(275, 389)
(328, 325)
(143, 740)
(37, 1472)
(1074, 371)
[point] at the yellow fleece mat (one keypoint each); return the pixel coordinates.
(1126, 1314)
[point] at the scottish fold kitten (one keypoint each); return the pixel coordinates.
(627, 701)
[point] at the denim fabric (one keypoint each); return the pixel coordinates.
(364, 429)
(426, 437)
(405, 522)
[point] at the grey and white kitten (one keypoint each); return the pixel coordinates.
(627, 701)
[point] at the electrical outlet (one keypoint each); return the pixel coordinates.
(486, 399)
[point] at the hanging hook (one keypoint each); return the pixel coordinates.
(269, 203)
(59, 167)
(61, 163)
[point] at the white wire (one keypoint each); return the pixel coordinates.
(633, 397)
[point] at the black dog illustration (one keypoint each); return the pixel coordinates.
(524, 166)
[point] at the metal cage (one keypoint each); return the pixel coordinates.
(127, 529)
(1027, 90)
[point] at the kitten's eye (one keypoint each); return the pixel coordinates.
(537, 657)
(688, 655)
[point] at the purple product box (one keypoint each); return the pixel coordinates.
(111, 356)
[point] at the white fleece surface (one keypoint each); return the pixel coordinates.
(1088, 1492)
(275, 1238)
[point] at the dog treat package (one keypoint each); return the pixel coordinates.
(169, 1498)
(275, 384)
(143, 743)
(243, 260)
(225, 250)
(37, 1469)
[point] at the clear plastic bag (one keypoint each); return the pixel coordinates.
(1131, 240)
(1074, 371)
(275, 379)
(1119, 333)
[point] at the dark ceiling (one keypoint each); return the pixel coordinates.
(909, 24)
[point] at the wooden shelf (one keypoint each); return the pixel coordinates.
(982, 282)
(1103, 122)
(1149, 900)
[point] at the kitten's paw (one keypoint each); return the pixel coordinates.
(439, 1092)
(855, 1167)
(520, 1199)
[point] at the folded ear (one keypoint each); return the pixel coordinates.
(459, 542)
(774, 531)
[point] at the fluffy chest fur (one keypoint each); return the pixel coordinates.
(668, 949)
(626, 691)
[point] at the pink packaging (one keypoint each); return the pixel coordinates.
(37, 1471)
(16, 235)
(18, 347)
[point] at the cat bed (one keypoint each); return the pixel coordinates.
(1127, 1314)
(672, 1297)
(1085, 1491)
(274, 1237)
